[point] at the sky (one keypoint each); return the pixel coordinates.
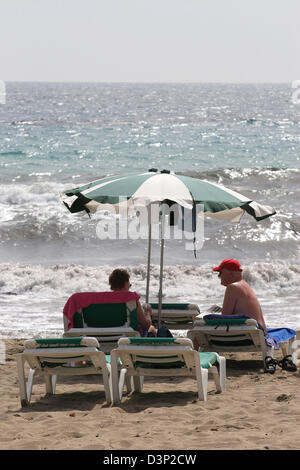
(150, 40)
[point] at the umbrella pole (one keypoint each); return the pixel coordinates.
(148, 262)
(162, 245)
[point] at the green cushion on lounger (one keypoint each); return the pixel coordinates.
(162, 365)
(225, 321)
(108, 359)
(80, 342)
(206, 359)
(171, 306)
(155, 342)
(152, 341)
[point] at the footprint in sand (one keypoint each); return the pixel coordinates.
(284, 397)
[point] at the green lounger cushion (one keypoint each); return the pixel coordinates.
(152, 341)
(80, 342)
(207, 359)
(171, 306)
(108, 360)
(225, 321)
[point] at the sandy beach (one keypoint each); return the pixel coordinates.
(257, 411)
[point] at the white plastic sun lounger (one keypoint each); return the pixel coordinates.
(234, 335)
(161, 357)
(176, 316)
(52, 357)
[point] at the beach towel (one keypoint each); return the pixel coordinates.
(84, 299)
(274, 336)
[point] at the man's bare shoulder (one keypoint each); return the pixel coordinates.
(239, 288)
(234, 286)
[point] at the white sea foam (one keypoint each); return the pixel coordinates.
(32, 296)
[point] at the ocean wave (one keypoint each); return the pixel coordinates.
(32, 297)
(179, 281)
(256, 174)
(12, 153)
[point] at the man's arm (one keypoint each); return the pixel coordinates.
(230, 299)
(144, 317)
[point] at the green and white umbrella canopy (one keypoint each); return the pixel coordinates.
(151, 187)
(144, 189)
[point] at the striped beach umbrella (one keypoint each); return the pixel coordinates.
(146, 188)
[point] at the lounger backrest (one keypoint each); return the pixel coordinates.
(57, 352)
(221, 334)
(108, 315)
(80, 342)
(156, 353)
(176, 315)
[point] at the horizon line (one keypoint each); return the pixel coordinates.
(157, 82)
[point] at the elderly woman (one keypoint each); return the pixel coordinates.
(119, 280)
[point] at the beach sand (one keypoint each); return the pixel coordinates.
(257, 411)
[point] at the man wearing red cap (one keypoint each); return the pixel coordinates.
(239, 297)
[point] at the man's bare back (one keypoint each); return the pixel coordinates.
(239, 297)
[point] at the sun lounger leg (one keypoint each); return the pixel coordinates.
(116, 382)
(104, 369)
(123, 377)
(106, 385)
(54, 378)
(222, 372)
(295, 351)
(48, 383)
(138, 383)
(285, 348)
(128, 383)
(219, 374)
(142, 382)
(30, 383)
(22, 382)
(213, 370)
(290, 347)
(119, 385)
(202, 379)
(110, 381)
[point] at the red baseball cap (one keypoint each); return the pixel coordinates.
(230, 264)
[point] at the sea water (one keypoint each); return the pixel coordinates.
(55, 136)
